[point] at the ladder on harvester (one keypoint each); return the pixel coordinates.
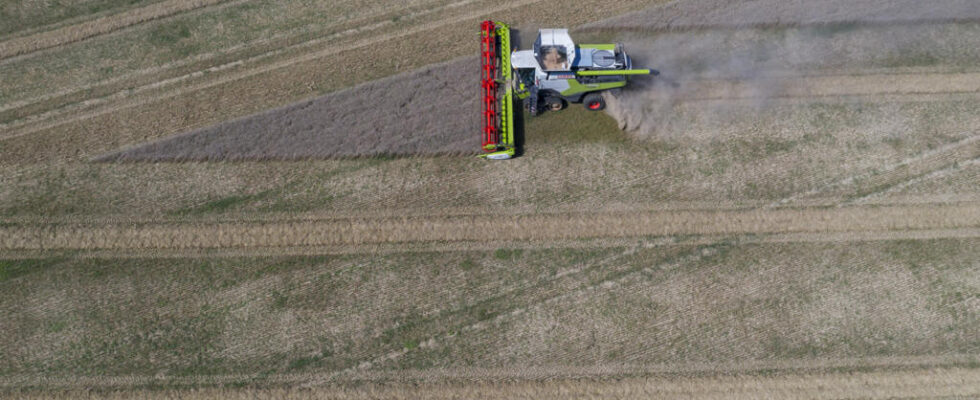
(496, 82)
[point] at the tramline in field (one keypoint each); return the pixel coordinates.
(548, 77)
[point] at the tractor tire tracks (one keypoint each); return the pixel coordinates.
(484, 228)
(557, 383)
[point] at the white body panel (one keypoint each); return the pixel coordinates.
(523, 59)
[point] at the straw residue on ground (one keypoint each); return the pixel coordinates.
(930, 382)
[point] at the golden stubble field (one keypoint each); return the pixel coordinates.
(792, 207)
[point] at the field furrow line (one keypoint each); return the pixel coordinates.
(870, 182)
(884, 190)
(489, 246)
(546, 291)
(865, 182)
(691, 257)
(484, 228)
(100, 26)
(612, 381)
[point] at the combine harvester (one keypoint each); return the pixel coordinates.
(556, 72)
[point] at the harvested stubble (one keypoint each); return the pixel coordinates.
(520, 315)
(693, 14)
(432, 111)
(871, 385)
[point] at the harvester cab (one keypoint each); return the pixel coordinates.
(554, 73)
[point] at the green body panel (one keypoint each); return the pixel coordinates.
(610, 47)
(610, 72)
(575, 87)
(523, 94)
(510, 153)
(506, 72)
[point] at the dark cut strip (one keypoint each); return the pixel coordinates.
(427, 112)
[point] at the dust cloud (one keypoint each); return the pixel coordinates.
(750, 51)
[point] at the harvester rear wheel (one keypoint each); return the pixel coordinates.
(594, 102)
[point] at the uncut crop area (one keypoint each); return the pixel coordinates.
(280, 199)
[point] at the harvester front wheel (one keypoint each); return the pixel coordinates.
(594, 102)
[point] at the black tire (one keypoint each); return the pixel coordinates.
(594, 102)
(556, 104)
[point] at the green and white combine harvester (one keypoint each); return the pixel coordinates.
(556, 72)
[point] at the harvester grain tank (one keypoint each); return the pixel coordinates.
(554, 73)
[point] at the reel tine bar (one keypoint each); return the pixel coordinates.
(491, 107)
